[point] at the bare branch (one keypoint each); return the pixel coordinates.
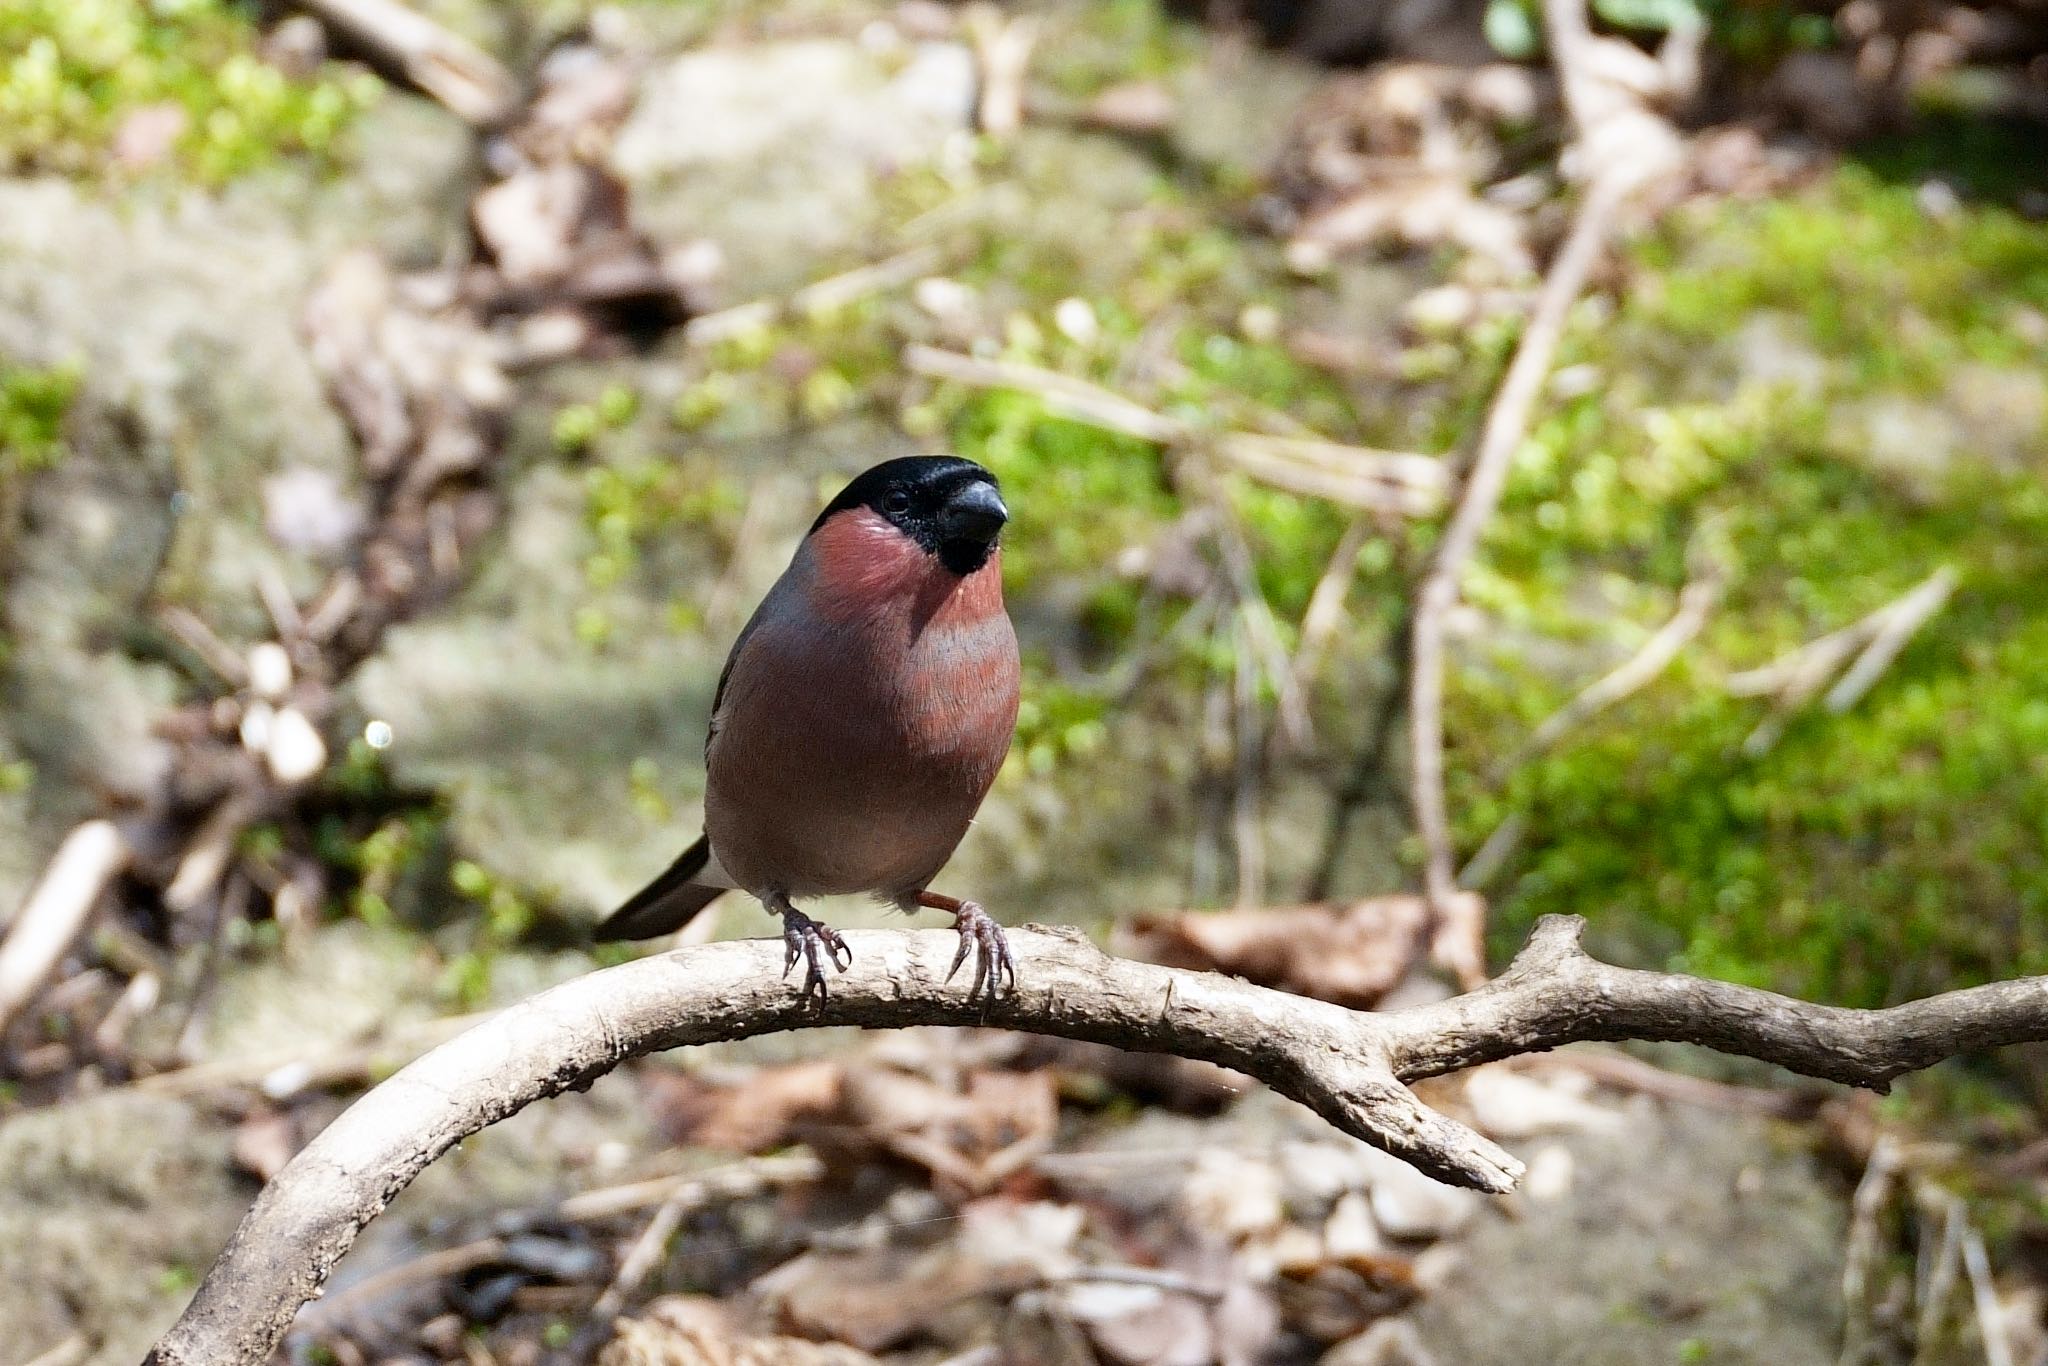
(1349, 1066)
(1554, 994)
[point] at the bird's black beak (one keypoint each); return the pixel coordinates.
(976, 513)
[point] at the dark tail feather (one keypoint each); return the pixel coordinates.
(666, 904)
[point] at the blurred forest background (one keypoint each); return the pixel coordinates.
(401, 408)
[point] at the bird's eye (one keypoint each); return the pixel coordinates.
(896, 500)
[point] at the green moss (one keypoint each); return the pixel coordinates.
(1891, 851)
(74, 73)
(35, 405)
(1898, 294)
(640, 496)
(1095, 46)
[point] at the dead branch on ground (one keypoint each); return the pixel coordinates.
(56, 912)
(1507, 423)
(1696, 602)
(1629, 146)
(444, 65)
(1351, 1067)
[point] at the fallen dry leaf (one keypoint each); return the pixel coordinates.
(761, 1112)
(689, 1330)
(264, 1142)
(971, 1137)
(882, 1297)
(1350, 955)
(1333, 1298)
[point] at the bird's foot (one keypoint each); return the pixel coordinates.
(816, 945)
(994, 970)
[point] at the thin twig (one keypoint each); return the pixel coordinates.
(1874, 641)
(70, 1352)
(1984, 1295)
(1901, 624)
(634, 1268)
(1626, 1073)
(1399, 482)
(1941, 1261)
(1696, 602)
(1865, 1243)
(822, 296)
(430, 1266)
(1507, 422)
(56, 912)
(1325, 611)
(469, 81)
(195, 635)
(1247, 833)
(280, 1076)
(1368, 770)
(729, 1181)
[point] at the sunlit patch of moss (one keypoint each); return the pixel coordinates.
(35, 404)
(577, 425)
(378, 860)
(629, 501)
(75, 73)
(1056, 722)
(1883, 853)
(503, 918)
(1898, 294)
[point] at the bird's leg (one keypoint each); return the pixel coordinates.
(815, 943)
(981, 936)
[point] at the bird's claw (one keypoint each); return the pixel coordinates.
(815, 944)
(994, 970)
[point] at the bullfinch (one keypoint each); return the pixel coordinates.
(861, 717)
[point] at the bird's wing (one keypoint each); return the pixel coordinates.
(770, 605)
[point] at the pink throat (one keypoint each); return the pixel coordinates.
(865, 566)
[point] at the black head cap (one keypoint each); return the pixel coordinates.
(947, 505)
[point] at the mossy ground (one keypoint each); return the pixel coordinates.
(75, 73)
(1881, 854)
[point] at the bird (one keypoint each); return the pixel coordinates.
(860, 720)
